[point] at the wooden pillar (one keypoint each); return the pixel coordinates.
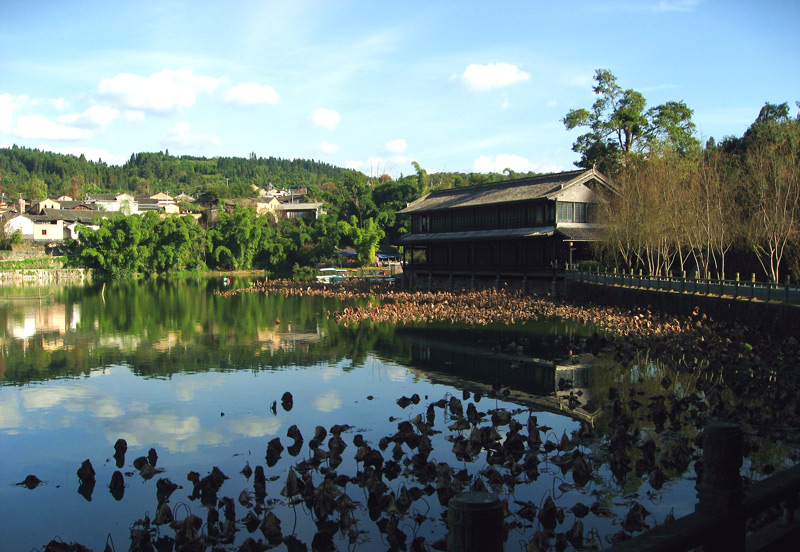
(720, 488)
(475, 523)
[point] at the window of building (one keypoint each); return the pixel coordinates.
(540, 214)
(564, 211)
(568, 211)
(580, 212)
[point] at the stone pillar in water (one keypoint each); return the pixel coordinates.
(475, 523)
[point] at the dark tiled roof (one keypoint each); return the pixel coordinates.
(522, 189)
(473, 235)
(73, 215)
(72, 204)
(581, 233)
(298, 206)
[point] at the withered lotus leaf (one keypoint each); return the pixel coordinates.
(580, 510)
(293, 544)
(271, 529)
(294, 433)
(244, 499)
(581, 471)
(86, 472)
(152, 457)
(121, 446)
(548, 515)
(336, 444)
(325, 499)
(455, 406)
(634, 519)
(575, 534)
(479, 486)
(291, 488)
(31, 482)
(163, 514)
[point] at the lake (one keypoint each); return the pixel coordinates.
(199, 378)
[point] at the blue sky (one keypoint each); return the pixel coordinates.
(374, 85)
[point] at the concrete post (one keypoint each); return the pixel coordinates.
(720, 491)
(475, 523)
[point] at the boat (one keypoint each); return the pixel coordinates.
(331, 275)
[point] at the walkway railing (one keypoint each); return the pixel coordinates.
(724, 506)
(737, 289)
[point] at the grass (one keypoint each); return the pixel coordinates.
(33, 263)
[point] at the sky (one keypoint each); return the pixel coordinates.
(376, 85)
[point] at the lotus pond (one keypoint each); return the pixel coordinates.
(255, 422)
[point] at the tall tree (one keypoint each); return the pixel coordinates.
(771, 171)
(620, 126)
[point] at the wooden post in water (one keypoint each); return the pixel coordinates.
(474, 523)
(719, 491)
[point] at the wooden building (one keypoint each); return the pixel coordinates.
(521, 232)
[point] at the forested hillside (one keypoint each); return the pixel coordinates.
(36, 174)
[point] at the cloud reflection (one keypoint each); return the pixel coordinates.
(186, 388)
(167, 430)
(72, 398)
(10, 417)
(253, 426)
(328, 402)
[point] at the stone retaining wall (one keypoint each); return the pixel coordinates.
(43, 275)
(774, 317)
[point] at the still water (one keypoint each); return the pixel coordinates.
(199, 378)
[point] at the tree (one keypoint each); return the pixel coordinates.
(238, 237)
(365, 239)
(771, 174)
(620, 127)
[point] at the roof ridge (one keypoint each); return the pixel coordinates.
(516, 181)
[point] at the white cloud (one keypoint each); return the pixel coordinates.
(38, 126)
(133, 115)
(396, 146)
(485, 164)
(326, 118)
(97, 117)
(676, 5)
(8, 104)
(181, 136)
(163, 92)
(482, 78)
(251, 93)
(325, 147)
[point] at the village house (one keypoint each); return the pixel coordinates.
(521, 231)
(52, 220)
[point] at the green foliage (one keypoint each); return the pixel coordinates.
(365, 238)
(620, 126)
(38, 174)
(239, 237)
(125, 245)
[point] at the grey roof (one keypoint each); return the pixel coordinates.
(73, 204)
(508, 191)
(581, 233)
(298, 206)
(72, 215)
(505, 233)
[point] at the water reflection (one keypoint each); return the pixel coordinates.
(200, 378)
